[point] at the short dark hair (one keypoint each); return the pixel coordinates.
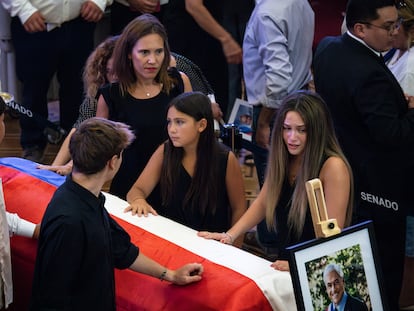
(95, 142)
(364, 10)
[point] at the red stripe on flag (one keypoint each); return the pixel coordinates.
(220, 289)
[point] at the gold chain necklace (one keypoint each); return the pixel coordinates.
(148, 93)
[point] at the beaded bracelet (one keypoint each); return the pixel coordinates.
(163, 274)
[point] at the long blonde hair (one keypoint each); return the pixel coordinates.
(321, 143)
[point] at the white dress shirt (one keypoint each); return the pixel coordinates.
(19, 226)
(277, 50)
(403, 69)
(56, 12)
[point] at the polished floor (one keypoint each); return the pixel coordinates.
(10, 147)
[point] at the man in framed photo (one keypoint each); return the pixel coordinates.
(333, 277)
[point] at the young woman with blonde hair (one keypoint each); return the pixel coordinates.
(303, 147)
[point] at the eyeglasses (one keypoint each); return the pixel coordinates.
(389, 28)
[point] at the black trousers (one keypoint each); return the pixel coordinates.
(39, 56)
(121, 15)
(389, 232)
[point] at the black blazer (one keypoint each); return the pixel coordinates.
(376, 130)
(372, 121)
(353, 304)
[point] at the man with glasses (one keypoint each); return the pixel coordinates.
(390, 27)
(374, 121)
(333, 277)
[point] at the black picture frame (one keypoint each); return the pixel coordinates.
(354, 249)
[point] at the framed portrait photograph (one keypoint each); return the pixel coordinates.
(242, 116)
(339, 269)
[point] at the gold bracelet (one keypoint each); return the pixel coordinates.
(163, 274)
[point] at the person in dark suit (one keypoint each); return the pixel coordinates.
(333, 277)
(374, 121)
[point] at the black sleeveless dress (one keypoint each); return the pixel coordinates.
(219, 221)
(283, 237)
(147, 118)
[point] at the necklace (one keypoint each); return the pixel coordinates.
(147, 92)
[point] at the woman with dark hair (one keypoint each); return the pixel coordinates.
(303, 147)
(200, 180)
(140, 97)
